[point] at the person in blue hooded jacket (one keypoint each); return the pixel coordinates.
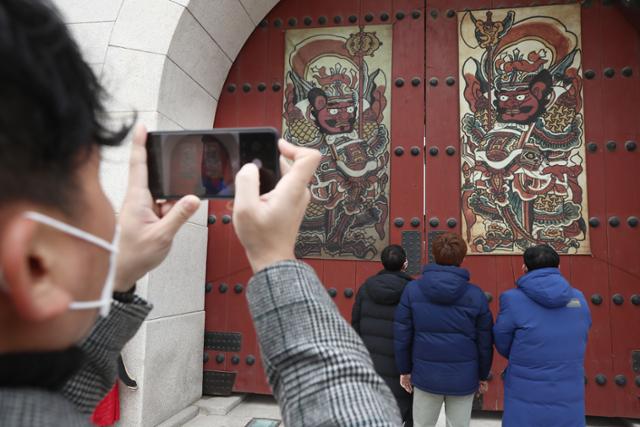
(442, 337)
(542, 329)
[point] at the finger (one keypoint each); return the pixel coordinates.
(169, 225)
(138, 160)
(295, 153)
(285, 166)
(247, 189)
(305, 163)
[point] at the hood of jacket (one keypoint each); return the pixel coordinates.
(386, 287)
(443, 284)
(546, 286)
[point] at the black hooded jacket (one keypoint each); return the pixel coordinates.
(372, 318)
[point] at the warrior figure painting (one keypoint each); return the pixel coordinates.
(334, 104)
(523, 178)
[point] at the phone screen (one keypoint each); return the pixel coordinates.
(205, 163)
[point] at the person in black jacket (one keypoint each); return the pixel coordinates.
(372, 318)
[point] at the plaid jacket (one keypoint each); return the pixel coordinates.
(318, 367)
(73, 404)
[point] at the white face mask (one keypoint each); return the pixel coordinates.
(104, 303)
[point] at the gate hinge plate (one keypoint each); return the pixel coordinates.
(218, 383)
(412, 244)
(222, 341)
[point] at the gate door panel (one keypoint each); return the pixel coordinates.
(620, 131)
(254, 94)
(442, 192)
(591, 275)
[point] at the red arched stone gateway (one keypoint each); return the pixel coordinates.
(410, 103)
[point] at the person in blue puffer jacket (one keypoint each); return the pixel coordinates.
(542, 329)
(442, 337)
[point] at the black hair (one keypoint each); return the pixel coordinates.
(393, 257)
(541, 256)
(543, 76)
(314, 94)
(51, 111)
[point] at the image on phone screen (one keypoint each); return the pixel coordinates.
(205, 163)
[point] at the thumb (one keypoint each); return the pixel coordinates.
(247, 189)
(178, 215)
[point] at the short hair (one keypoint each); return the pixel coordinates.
(449, 249)
(51, 110)
(393, 257)
(541, 256)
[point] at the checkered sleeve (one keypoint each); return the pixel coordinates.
(102, 347)
(318, 367)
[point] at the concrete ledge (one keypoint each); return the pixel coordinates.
(182, 417)
(172, 366)
(219, 405)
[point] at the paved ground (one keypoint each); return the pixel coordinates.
(253, 406)
(238, 411)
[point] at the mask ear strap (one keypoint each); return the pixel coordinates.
(107, 291)
(66, 228)
(85, 305)
(104, 303)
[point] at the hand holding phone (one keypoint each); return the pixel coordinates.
(147, 228)
(204, 163)
(267, 225)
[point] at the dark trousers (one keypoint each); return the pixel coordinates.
(405, 403)
(404, 399)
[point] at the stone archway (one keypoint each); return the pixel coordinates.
(166, 60)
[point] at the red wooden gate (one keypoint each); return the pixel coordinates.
(425, 173)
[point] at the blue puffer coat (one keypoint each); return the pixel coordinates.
(442, 332)
(542, 329)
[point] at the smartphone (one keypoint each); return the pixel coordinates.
(204, 163)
